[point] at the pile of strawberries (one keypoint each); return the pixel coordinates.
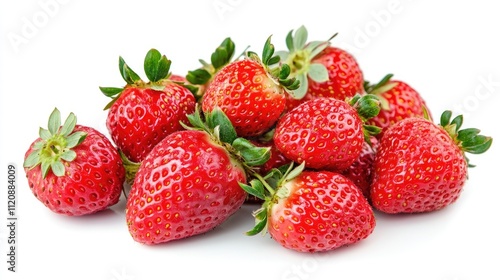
(298, 131)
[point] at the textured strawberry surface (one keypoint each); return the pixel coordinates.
(418, 168)
(187, 185)
(326, 133)
(324, 211)
(249, 97)
(142, 117)
(92, 181)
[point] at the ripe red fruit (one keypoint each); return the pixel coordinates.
(73, 169)
(421, 166)
(141, 114)
(189, 183)
(313, 211)
(398, 101)
(249, 93)
(325, 133)
(323, 70)
(361, 171)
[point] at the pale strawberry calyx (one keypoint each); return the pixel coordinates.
(299, 57)
(367, 107)
(271, 62)
(219, 127)
(222, 55)
(270, 188)
(156, 67)
(55, 145)
(468, 140)
(384, 85)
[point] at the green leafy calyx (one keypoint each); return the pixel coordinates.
(55, 145)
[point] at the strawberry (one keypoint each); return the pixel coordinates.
(141, 114)
(249, 92)
(398, 101)
(311, 211)
(361, 171)
(421, 166)
(326, 133)
(73, 169)
(323, 70)
(189, 183)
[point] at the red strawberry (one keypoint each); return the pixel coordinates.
(421, 166)
(325, 133)
(141, 114)
(189, 183)
(323, 70)
(312, 211)
(249, 92)
(73, 169)
(398, 101)
(361, 171)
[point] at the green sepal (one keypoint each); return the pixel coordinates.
(252, 155)
(198, 76)
(375, 88)
(223, 54)
(367, 106)
(55, 145)
(260, 225)
(128, 74)
(110, 91)
(156, 66)
(218, 121)
(318, 72)
(256, 188)
(268, 53)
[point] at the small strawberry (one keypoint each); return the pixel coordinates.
(250, 92)
(189, 183)
(398, 101)
(142, 113)
(73, 169)
(326, 133)
(421, 166)
(311, 211)
(323, 70)
(361, 171)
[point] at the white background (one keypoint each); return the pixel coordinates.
(56, 54)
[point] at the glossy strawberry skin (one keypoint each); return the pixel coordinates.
(326, 133)
(142, 117)
(345, 77)
(93, 180)
(418, 168)
(404, 102)
(361, 171)
(324, 211)
(249, 97)
(186, 186)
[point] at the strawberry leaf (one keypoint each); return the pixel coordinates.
(75, 139)
(259, 227)
(156, 65)
(217, 118)
(255, 188)
(198, 76)
(110, 91)
(318, 72)
(127, 74)
(32, 160)
(54, 121)
(57, 168)
(252, 155)
(300, 38)
(69, 125)
(44, 133)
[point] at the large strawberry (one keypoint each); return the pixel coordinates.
(142, 113)
(311, 211)
(398, 101)
(326, 133)
(189, 183)
(421, 166)
(73, 169)
(322, 69)
(250, 91)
